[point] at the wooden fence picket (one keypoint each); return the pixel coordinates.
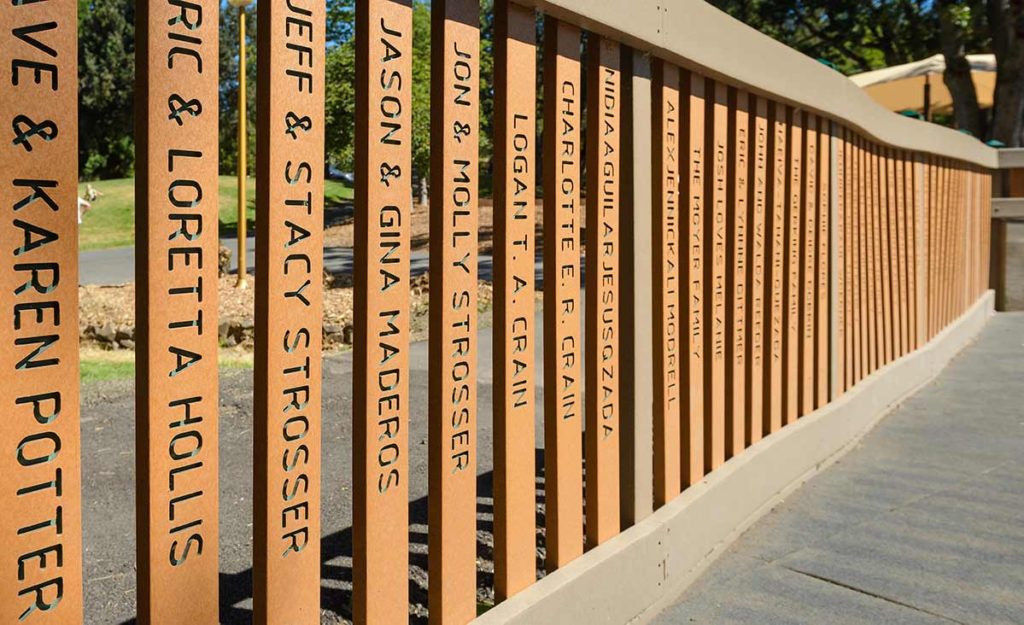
(563, 361)
(177, 312)
(41, 496)
(515, 335)
(602, 370)
(380, 381)
(288, 361)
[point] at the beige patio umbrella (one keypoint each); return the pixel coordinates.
(918, 86)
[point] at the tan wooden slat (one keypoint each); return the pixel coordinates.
(857, 269)
(886, 228)
(955, 211)
(872, 286)
(794, 233)
(961, 240)
(952, 237)
(891, 254)
(843, 256)
(289, 311)
(885, 256)
(949, 240)
(867, 260)
(775, 255)
(942, 229)
(969, 236)
(912, 251)
(822, 313)
(979, 200)
(930, 185)
(988, 233)
(923, 238)
(964, 204)
(670, 339)
(959, 254)
(737, 274)
(807, 366)
(901, 253)
(938, 246)
(715, 232)
(932, 204)
(972, 200)
(453, 350)
(563, 361)
(896, 245)
(604, 110)
(515, 246)
(963, 264)
(176, 312)
(942, 245)
(984, 194)
(380, 388)
(757, 297)
(41, 518)
(955, 237)
(693, 298)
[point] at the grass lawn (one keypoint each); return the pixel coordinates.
(111, 222)
(99, 365)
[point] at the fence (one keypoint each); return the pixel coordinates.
(758, 240)
(1007, 215)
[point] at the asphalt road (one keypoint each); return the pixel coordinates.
(923, 523)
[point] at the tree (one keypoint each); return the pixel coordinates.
(341, 95)
(956, 24)
(855, 35)
(228, 67)
(859, 36)
(1006, 22)
(340, 100)
(106, 55)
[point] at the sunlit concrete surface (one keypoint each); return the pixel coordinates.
(922, 523)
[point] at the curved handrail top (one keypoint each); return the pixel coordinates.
(697, 36)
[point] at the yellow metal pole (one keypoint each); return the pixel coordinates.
(242, 151)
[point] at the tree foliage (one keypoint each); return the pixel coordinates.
(228, 62)
(855, 35)
(106, 56)
(860, 35)
(341, 87)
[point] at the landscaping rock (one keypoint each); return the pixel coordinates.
(223, 261)
(106, 333)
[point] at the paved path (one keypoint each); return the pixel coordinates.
(922, 523)
(117, 265)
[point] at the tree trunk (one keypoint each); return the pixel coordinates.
(966, 112)
(424, 191)
(1004, 18)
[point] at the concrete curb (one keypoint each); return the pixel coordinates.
(632, 577)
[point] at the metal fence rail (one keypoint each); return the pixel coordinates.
(732, 239)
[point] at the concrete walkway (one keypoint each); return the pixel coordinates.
(922, 523)
(117, 265)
